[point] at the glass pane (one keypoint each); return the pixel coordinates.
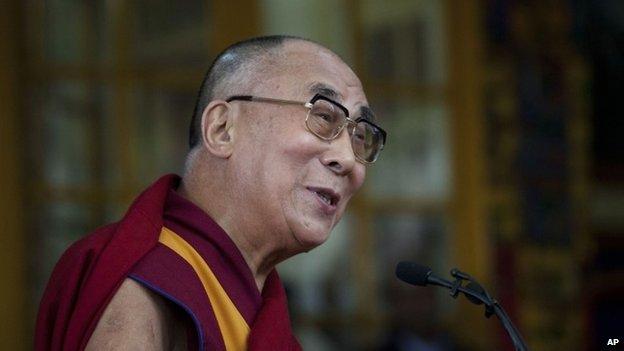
(420, 59)
(163, 122)
(103, 22)
(415, 162)
(306, 272)
(410, 237)
(415, 315)
(65, 39)
(111, 141)
(171, 31)
(67, 135)
(322, 292)
(325, 21)
(60, 224)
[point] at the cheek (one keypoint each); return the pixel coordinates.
(358, 176)
(298, 146)
(285, 163)
(356, 180)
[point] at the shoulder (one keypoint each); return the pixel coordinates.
(137, 318)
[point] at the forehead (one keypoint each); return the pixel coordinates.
(304, 69)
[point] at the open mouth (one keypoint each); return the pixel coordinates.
(328, 196)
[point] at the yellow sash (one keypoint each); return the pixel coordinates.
(233, 326)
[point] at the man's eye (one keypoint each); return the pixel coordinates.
(326, 117)
(359, 137)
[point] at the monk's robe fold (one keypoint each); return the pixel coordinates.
(91, 270)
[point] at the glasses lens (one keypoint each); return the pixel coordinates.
(325, 119)
(367, 141)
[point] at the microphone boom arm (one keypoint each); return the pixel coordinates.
(475, 293)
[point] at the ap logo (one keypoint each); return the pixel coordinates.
(613, 342)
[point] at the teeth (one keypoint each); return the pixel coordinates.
(325, 198)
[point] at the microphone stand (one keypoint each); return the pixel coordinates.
(477, 295)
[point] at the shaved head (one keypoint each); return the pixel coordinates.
(240, 66)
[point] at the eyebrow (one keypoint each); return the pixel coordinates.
(325, 90)
(329, 92)
(367, 114)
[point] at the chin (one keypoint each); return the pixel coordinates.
(309, 239)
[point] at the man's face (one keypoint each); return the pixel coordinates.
(297, 186)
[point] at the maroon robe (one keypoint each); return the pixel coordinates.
(91, 270)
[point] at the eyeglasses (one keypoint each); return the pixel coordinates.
(326, 119)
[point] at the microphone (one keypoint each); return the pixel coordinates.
(413, 273)
(419, 275)
(416, 274)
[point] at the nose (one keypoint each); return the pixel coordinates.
(339, 157)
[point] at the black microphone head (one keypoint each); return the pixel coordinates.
(413, 273)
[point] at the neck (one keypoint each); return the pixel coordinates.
(222, 206)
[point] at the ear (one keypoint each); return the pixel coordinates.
(217, 128)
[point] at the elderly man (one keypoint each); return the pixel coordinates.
(279, 141)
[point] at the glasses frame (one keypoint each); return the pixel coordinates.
(348, 121)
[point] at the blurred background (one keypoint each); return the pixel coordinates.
(504, 156)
